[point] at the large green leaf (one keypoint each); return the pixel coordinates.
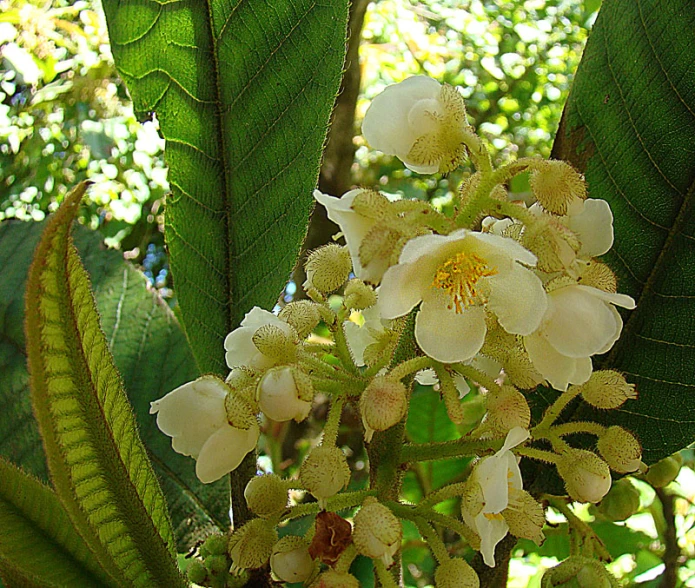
(630, 126)
(38, 544)
(98, 464)
(243, 91)
(150, 352)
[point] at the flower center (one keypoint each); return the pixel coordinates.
(458, 276)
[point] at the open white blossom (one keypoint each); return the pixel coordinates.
(581, 321)
(457, 278)
(194, 416)
(239, 345)
(420, 121)
(498, 477)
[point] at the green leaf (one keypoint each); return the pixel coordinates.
(629, 125)
(97, 462)
(243, 91)
(38, 544)
(150, 351)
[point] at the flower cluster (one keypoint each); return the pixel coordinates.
(499, 296)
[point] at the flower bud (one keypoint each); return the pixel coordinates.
(275, 343)
(291, 561)
(196, 572)
(586, 476)
(384, 403)
(553, 243)
(607, 389)
(455, 573)
(250, 546)
(359, 295)
(302, 315)
(507, 408)
(325, 472)
(217, 564)
(665, 471)
(240, 378)
(621, 502)
(524, 516)
(328, 267)
(285, 393)
(214, 545)
(578, 572)
(333, 579)
(377, 532)
(621, 450)
(266, 495)
(558, 187)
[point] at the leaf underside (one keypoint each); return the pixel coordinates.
(242, 90)
(629, 125)
(97, 462)
(150, 351)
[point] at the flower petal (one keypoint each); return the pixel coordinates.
(509, 247)
(518, 300)
(594, 227)
(191, 413)
(224, 451)
(492, 529)
(402, 287)
(558, 369)
(580, 324)
(446, 336)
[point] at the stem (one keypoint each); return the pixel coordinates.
(333, 504)
(433, 539)
(539, 454)
(672, 552)
(450, 491)
(346, 558)
(590, 541)
(410, 366)
(477, 376)
(330, 429)
(578, 427)
(385, 578)
(554, 411)
(480, 156)
(341, 346)
(316, 365)
(446, 449)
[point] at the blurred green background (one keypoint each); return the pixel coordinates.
(65, 117)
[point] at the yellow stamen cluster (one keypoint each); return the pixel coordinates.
(459, 275)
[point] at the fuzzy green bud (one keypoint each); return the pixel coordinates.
(383, 403)
(251, 546)
(333, 579)
(507, 408)
(621, 502)
(558, 187)
(359, 295)
(325, 472)
(456, 573)
(665, 471)
(291, 561)
(302, 315)
(275, 343)
(587, 477)
(327, 268)
(196, 572)
(214, 545)
(266, 495)
(620, 449)
(377, 532)
(607, 389)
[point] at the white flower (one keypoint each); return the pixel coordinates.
(355, 228)
(359, 337)
(498, 477)
(581, 321)
(428, 377)
(194, 416)
(284, 393)
(420, 122)
(457, 277)
(594, 227)
(239, 345)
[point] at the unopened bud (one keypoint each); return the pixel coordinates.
(587, 477)
(303, 315)
(553, 243)
(333, 579)
(285, 393)
(607, 389)
(266, 495)
(456, 573)
(620, 449)
(377, 532)
(275, 343)
(325, 472)
(383, 403)
(217, 564)
(621, 502)
(291, 561)
(250, 546)
(507, 408)
(578, 572)
(558, 187)
(328, 267)
(524, 516)
(598, 275)
(214, 545)
(359, 295)
(240, 411)
(665, 471)
(196, 572)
